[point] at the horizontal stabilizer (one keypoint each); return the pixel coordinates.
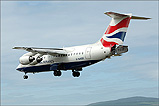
(115, 15)
(140, 18)
(119, 15)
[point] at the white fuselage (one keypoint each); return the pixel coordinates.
(96, 52)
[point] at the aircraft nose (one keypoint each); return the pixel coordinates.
(19, 67)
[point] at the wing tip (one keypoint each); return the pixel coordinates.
(14, 47)
(18, 48)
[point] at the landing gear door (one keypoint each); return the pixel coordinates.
(88, 52)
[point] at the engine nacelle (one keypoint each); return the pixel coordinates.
(24, 60)
(37, 60)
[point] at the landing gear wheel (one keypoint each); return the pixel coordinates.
(57, 73)
(76, 74)
(25, 77)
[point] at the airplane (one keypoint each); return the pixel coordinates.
(77, 57)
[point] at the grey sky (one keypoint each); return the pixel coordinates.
(63, 24)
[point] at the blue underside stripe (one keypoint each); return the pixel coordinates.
(58, 66)
(120, 35)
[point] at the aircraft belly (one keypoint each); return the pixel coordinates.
(80, 64)
(58, 66)
(39, 68)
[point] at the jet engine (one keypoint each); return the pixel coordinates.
(24, 60)
(38, 59)
(30, 58)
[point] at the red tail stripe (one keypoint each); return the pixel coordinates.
(121, 24)
(107, 44)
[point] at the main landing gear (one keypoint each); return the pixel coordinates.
(75, 73)
(57, 73)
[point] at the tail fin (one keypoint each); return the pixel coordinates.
(117, 28)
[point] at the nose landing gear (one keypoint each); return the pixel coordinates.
(25, 77)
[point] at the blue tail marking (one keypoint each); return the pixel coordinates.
(120, 35)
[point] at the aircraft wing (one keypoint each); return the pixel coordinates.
(43, 51)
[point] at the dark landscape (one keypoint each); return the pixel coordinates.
(131, 101)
